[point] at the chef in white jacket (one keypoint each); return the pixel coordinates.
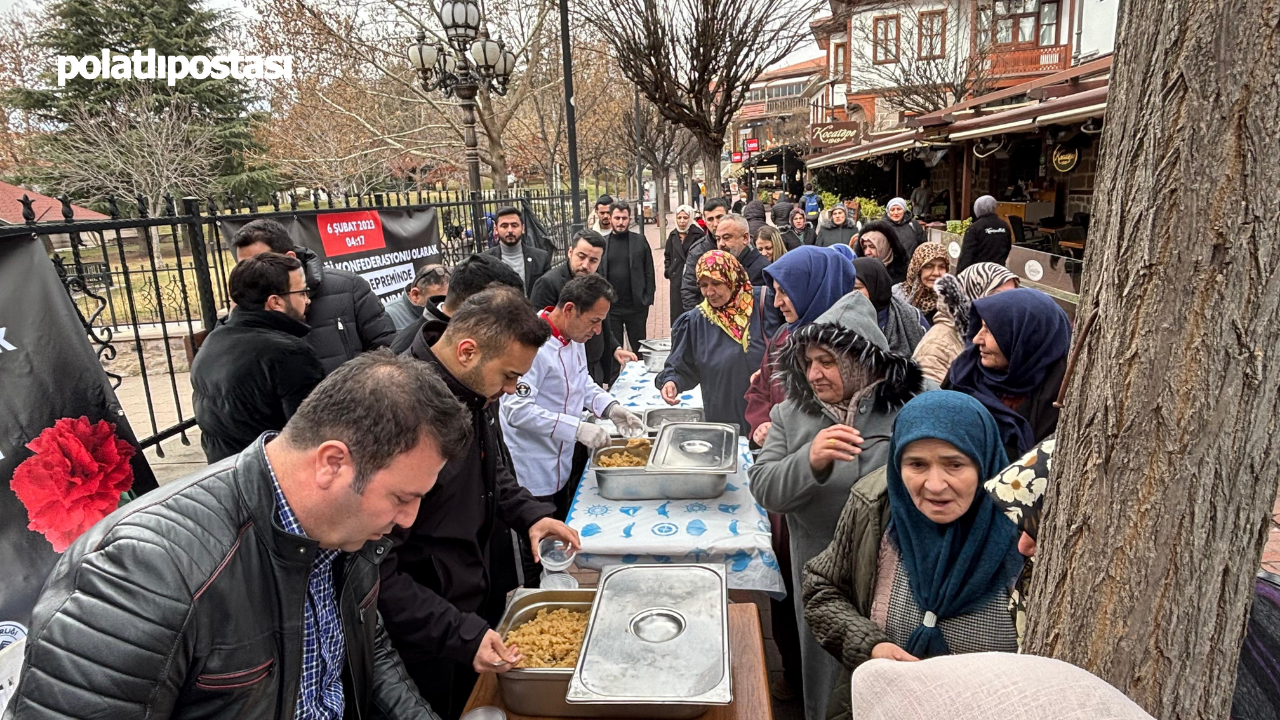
(543, 419)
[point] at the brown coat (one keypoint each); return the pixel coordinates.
(939, 346)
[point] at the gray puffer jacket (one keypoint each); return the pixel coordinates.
(346, 318)
(782, 480)
(188, 603)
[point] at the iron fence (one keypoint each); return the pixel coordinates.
(145, 283)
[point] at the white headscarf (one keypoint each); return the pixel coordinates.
(689, 211)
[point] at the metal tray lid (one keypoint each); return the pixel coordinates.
(657, 344)
(656, 417)
(657, 634)
(711, 447)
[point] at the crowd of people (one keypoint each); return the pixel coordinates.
(380, 479)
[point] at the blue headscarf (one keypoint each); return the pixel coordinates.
(1034, 334)
(952, 569)
(814, 278)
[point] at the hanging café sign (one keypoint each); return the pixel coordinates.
(834, 133)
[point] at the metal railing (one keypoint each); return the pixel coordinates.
(140, 279)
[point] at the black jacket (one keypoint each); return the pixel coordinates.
(754, 213)
(405, 337)
(829, 234)
(188, 603)
(250, 376)
(600, 347)
(346, 318)
(689, 293)
(793, 238)
(987, 240)
(438, 571)
(911, 234)
(754, 263)
(536, 262)
(643, 282)
(780, 212)
(677, 251)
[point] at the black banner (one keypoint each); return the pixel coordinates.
(385, 246)
(51, 378)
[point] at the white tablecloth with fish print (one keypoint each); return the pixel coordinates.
(731, 529)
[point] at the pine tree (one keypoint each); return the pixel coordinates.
(171, 27)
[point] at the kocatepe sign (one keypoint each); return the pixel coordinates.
(834, 133)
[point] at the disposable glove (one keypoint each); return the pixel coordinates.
(627, 422)
(592, 435)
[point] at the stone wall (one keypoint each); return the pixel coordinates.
(1080, 181)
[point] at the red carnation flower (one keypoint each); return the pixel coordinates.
(75, 478)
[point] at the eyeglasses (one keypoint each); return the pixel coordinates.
(436, 273)
(304, 291)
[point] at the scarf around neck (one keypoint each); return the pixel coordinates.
(952, 569)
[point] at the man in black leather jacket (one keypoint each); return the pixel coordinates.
(346, 318)
(195, 601)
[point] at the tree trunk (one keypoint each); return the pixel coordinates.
(681, 186)
(498, 166)
(711, 149)
(662, 193)
(1166, 464)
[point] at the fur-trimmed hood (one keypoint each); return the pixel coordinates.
(825, 223)
(849, 328)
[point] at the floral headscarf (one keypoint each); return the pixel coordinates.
(918, 294)
(735, 316)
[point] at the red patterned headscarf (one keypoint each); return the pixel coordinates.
(735, 316)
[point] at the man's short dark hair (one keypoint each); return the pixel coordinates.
(605, 199)
(267, 231)
(429, 275)
(507, 210)
(592, 238)
(476, 273)
(619, 205)
(495, 318)
(380, 406)
(584, 292)
(258, 278)
(716, 202)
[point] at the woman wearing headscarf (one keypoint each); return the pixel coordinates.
(945, 338)
(1014, 363)
(806, 282)
(878, 240)
(717, 344)
(844, 388)
(686, 233)
(836, 227)
(902, 325)
(988, 238)
(928, 264)
(910, 233)
(769, 243)
(923, 562)
(798, 230)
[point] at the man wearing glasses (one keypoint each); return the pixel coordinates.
(429, 286)
(253, 372)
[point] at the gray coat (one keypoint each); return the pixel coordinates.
(402, 312)
(782, 480)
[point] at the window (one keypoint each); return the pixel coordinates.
(884, 40)
(838, 53)
(931, 36)
(1018, 22)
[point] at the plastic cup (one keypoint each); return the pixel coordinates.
(557, 555)
(558, 581)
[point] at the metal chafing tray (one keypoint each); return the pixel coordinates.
(658, 636)
(688, 461)
(656, 417)
(540, 691)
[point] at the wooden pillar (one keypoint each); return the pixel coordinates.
(966, 191)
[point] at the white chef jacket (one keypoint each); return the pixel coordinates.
(540, 421)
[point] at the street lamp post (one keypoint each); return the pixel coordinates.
(454, 73)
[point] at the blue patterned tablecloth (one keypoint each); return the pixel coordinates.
(731, 529)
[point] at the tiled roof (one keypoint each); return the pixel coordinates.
(47, 209)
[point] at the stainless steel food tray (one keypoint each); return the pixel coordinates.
(656, 417)
(657, 635)
(540, 692)
(666, 481)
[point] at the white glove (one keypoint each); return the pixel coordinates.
(628, 423)
(592, 435)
